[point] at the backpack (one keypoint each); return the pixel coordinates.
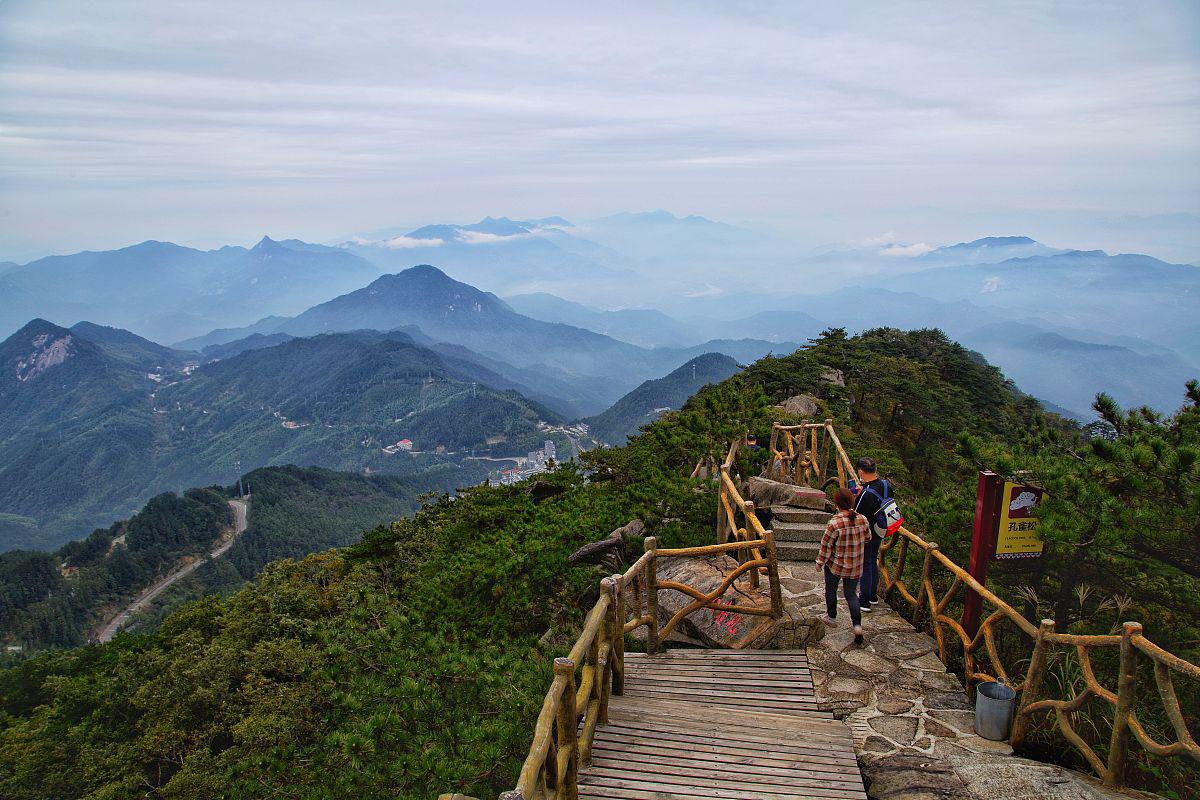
(888, 518)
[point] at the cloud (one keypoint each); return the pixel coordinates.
(395, 243)
(708, 291)
(990, 285)
(117, 125)
(480, 237)
(906, 250)
(407, 242)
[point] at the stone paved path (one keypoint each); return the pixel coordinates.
(911, 720)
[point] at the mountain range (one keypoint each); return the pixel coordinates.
(91, 428)
(297, 352)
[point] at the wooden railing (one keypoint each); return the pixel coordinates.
(928, 608)
(594, 670)
(808, 455)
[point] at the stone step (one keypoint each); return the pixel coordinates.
(798, 531)
(794, 514)
(792, 551)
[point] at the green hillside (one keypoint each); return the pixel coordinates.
(644, 404)
(90, 430)
(295, 511)
(53, 599)
(415, 662)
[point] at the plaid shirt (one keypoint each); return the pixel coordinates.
(843, 543)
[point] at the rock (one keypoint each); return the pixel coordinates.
(901, 730)
(912, 777)
(903, 646)
(962, 721)
(989, 777)
(940, 681)
(842, 688)
(941, 700)
(796, 631)
(893, 706)
(868, 662)
(877, 744)
(905, 678)
(713, 627)
(766, 493)
(834, 376)
(937, 729)
(929, 661)
(801, 405)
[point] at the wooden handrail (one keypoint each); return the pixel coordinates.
(1130, 642)
(573, 710)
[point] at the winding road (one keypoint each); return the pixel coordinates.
(158, 587)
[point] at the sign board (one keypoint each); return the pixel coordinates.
(1017, 532)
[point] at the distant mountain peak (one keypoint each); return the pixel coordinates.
(38, 347)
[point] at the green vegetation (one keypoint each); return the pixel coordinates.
(53, 599)
(297, 511)
(415, 661)
(88, 435)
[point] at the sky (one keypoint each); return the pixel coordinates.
(217, 122)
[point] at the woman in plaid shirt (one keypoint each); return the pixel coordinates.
(841, 556)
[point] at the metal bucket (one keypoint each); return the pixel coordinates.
(994, 705)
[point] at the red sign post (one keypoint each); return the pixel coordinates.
(1005, 528)
(983, 543)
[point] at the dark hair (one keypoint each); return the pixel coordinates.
(867, 465)
(843, 498)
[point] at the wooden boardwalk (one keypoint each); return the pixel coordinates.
(720, 724)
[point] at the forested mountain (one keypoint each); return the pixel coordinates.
(597, 368)
(54, 599)
(167, 292)
(57, 599)
(647, 402)
(90, 431)
(432, 630)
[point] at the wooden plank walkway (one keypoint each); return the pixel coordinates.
(720, 724)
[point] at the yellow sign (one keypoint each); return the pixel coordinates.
(1017, 535)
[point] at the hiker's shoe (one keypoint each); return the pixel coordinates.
(858, 635)
(830, 621)
(864, 607)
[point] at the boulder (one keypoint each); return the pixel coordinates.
(834, 376)
(766, 493)
(801, 405)
(712, 626)
(912, 777)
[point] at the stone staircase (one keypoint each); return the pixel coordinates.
(798, 531)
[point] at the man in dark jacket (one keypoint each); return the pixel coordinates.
(869, 503)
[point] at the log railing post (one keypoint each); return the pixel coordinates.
(748, 555)
(652, 643)
(1118, 748)
(568, 745)
(1032, 686)
(926, 570)
(723, 522)
(901, 557)
(773, 574)
(616, 631)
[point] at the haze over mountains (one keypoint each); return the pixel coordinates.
(326, 354)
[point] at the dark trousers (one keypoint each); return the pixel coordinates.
(870, 577)
(849, 591)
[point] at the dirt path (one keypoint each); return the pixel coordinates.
(158, 587)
